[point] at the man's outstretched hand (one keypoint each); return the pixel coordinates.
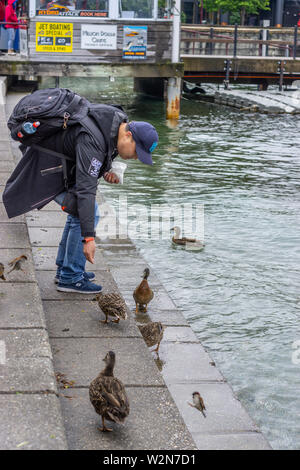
(111, 178)
(89, 249)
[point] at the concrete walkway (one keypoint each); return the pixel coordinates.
(158, 389)
(29, 405)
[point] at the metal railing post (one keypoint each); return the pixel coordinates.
(295, 42)
(235, 40)
(211, 35)
(227, 69)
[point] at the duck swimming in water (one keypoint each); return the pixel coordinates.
(191, 243)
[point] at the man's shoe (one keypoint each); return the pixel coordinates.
(87, 276)
(82, 287)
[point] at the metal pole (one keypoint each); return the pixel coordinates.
(281, 70)
(174, 83)
(201, 12)
(295, 42)
(235, 40)
(155, 9)
(279, 13)
(113, 9)
(227, 68)
(176, 32)
(32, 8)
(211, 35)
(173, 97)
(264, 46)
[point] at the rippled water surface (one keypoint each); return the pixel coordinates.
(241, 293)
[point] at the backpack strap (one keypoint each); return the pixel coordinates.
(88, 123)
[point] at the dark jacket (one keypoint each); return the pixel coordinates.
(38, 177)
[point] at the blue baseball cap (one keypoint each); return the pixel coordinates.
(146, 140)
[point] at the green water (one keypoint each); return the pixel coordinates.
(241, 293)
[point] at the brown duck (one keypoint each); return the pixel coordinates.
(108, 395)
(184, 241)
(143, 294)
(152, 333)
(2, 272)
(112, 305)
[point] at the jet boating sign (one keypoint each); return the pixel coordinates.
(54, 37)
(135, 42)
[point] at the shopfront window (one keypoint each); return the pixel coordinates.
(136, 8)
(84, 8)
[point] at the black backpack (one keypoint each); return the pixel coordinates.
(55, 109)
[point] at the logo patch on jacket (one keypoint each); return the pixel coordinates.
(94, 167)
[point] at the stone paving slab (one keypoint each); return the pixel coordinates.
(4, 176)
(34, 374)
(6, 166)
(25, 275)
(40, 236)
(82, 318)
(52, 206)
(21, 306)
(129, 277)
(167, 317)
(31, 422)
(26, 343)
(119, 257)
(14, 236)
(44, 259)
(49, 292)
(46, 219)
(153, 423)
(241, 441)
(6, 220)
(184, 363)
(180, 334)
(81, 360)
(224, 413)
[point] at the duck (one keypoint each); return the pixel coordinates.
(143, 294)
(2, 272)
(112, 305)
(108, 396)
(152, 333)
(188, 242)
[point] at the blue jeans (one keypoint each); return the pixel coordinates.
(70, 259)
(11, 37)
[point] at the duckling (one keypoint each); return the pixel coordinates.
(188, 242)
(108, 395)
(152, 333)
(2, 272)
(112, 305)
(198, 403)
(143, 294)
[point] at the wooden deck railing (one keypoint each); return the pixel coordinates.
(233, 41)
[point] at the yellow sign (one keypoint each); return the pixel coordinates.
(54, 37)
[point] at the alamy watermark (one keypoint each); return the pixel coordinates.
(150, 222)
(2, 352)
(296, 353)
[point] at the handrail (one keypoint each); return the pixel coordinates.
(211, 37)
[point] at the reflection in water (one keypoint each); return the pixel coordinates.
(241, 293)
